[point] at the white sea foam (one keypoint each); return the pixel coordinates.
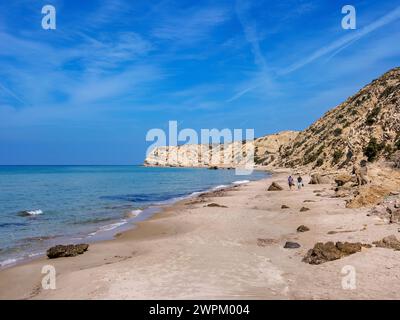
(35, 254)
(241, 181)
(34, 212)
(8, 262)
(134, 213)
(220, 187)
(193, 194)
(109, 227)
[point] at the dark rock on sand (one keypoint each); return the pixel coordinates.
(213, 168)
(70, 250)
(275, 187)
(303, 228)
(304, 209)
(216, 205)
(284, 206)
(329, 251)
(291, 245)
(389, 242)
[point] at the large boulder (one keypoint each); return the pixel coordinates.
(70, 250)
(342, 179)
(316, 178)
(275, 187)
(389, 242)
(329, 251)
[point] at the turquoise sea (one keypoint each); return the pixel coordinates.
(42, 206)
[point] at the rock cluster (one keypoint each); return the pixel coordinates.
(388, 209)
(70, 250)
(329, 251)
(390, 242)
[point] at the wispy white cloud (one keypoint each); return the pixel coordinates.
(345, 41)
(102, 68)
(263, 77)
(12, 94)
(250, 30)
(97, 89)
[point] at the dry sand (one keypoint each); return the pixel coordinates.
(190, 251)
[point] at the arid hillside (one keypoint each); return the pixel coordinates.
(365, 126)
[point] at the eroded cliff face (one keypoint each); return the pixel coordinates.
(234, 154)
(364, 127)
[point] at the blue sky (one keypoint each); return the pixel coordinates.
(88, 92)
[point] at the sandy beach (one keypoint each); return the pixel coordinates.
(232, 251)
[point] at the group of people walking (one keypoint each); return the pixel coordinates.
(300, 183)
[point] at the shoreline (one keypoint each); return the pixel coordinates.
(235, 251)
(126, 223)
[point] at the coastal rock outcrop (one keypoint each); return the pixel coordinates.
(316, 178)
(390, 242)
(70, 250)
(329, 251)
(275, 186)
(342, 179)
(226, 155)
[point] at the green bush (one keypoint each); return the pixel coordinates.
(312, 156)
(337, 155)
(371, 118)
(337, 132)
(371, 151)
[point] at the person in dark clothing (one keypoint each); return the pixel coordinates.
(299, 182)
(290, 182)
